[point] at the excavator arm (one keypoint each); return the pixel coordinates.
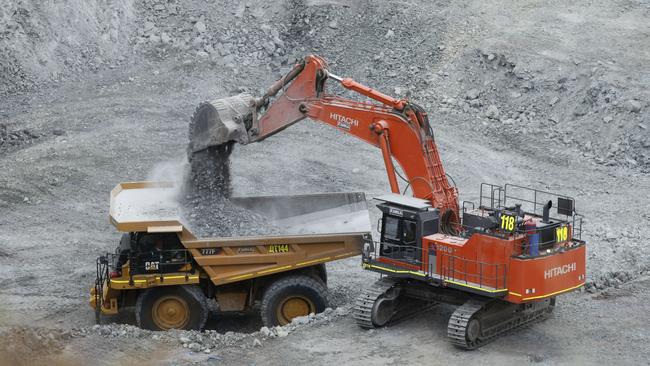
(398, 127)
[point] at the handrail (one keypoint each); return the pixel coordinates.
(454, 268)
(493, 188)
(449, 271)
(102, 264)
(536, 201)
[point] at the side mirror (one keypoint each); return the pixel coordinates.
(379, 220)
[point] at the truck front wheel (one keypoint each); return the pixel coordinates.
(172, 307)
(291, 297)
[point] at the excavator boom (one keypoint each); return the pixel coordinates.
(398, 127)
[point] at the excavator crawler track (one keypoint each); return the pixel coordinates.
(463, 331)
(365, 304)
(362, 311)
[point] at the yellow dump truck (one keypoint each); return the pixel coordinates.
(169, 274)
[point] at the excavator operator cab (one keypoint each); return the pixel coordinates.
(405, 220)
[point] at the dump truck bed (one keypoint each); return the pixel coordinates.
(314, 229)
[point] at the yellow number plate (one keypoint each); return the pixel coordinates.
(282, 248)
(561, 234)
(508, 222)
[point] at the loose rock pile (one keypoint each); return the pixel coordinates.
(14, 138)
(210, 341)
(46, 42)
(522, 103)
(171, 29)
(610, 279)
(526, 100)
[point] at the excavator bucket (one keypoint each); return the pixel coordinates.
(217, 122)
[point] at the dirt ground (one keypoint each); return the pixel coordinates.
(543, 94)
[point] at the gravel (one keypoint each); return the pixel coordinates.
(122, 84)
(198, 342)
(13, 138)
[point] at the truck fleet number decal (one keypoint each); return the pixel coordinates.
(442, 248)
(281, 248)
(507, 222)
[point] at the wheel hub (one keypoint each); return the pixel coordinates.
(170, 312)
(293, 307)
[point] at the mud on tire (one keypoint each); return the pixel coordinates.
(158, 308)
(292, 296)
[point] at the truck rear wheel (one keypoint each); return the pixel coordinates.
(172, 307)
(291, 297)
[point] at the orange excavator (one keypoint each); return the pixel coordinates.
(502, 260)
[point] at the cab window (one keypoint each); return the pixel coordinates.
(391, 228)
(409, 232)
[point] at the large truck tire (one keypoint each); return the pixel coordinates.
(290, 297)
(172, 307)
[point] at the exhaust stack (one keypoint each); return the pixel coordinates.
(545, 213)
